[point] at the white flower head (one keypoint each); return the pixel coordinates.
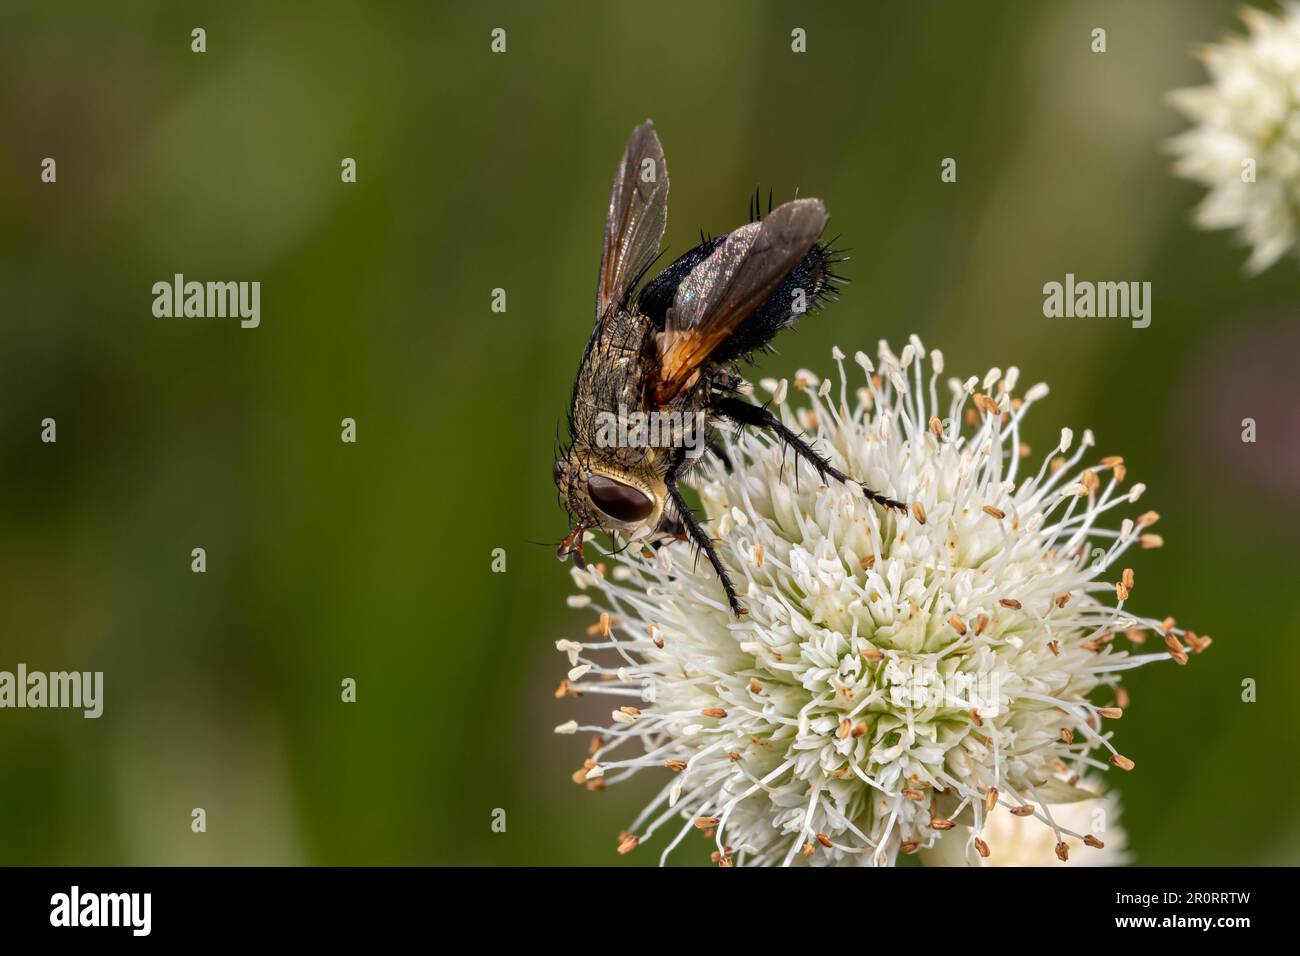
(898, 677)
(1245, 145)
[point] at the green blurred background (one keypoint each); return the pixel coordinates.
(477, 171)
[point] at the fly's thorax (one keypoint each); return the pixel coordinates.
(612, 414)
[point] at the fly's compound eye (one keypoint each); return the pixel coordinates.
(558, 474)
(621, 502)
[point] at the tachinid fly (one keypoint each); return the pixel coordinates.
(659, 369)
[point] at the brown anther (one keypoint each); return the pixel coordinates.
(1121, 697)
(1062, 852)
(936, 426)
(1150, 541)
(1055, 647)
(717, 712)
(1093, 842)
(981, 622)
(1121, 472)
(1121, 761)
(1090, 481)
(1136, 635)
(1112, 460)
(1176, 650)
(595, 744)
(975, 717)
(994, 512)
(1147, 519)
(824, 840)
(754, 686)
(845, 727)
(1011, 603)
(868, 562)
(981, 848)
(873, 654)
(1062, 600)
(1121, 591)
(725, 862)
(1023, 811)
(957, 624)
(1091, 645)
(808, 849)
(991, 800)
(1127, 578)
(910, 846)
(758, 555)
(1067, 736)
(918, 511)
(675, 765)
(1024, 450)
(604, 624)
(1057, 464)
(970, 417)
(631, 711)
(734, 757)
(579, 775)
(706, 823)
(628, 844)
(1111, 713)
(564, 690)
(941, 824)
(913, 794)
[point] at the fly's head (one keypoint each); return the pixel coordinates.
(599, 497)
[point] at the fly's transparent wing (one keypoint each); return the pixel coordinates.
(724, 289)
(638, 214)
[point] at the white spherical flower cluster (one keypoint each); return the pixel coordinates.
(898, 678)
(1245, 145)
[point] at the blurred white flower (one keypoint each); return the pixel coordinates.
(1023, 841)
(897, 677)
(1245, 145)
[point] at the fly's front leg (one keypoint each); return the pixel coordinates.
(697, 533)
(743, 413)
(670, 529)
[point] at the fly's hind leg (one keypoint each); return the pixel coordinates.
(743, 413)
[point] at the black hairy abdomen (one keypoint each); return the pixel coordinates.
(813, 275)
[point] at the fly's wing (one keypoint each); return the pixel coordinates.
(656, 296)
(638, 213)
(723, 290)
